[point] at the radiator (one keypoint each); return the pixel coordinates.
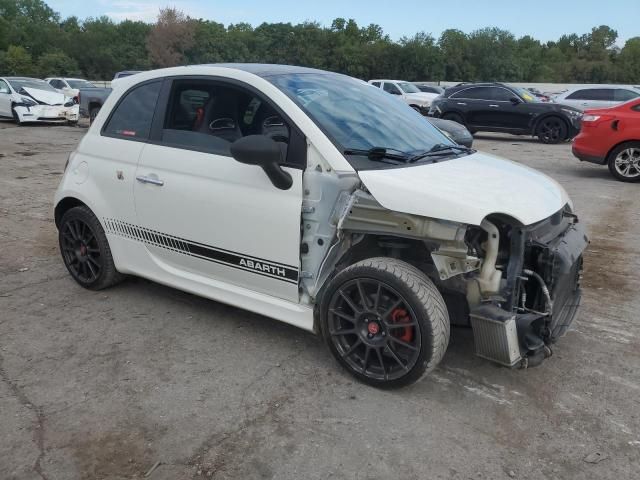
(495, 335)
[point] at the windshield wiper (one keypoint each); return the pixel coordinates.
(439, 149)
(378, 154)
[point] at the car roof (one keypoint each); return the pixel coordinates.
(388, 80)
(23, 78)
(264, 69)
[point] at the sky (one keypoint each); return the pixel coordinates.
(542, 19)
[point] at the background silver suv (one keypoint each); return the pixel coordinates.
(597, 97)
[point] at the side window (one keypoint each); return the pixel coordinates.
(209, 116)
(133, 115)
(376, 84)
(594, 94)
(474, 93)
(577, 95)
(622, 95)
(501, 94)
(4, 88)
(391, 88)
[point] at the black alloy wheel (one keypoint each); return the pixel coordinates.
(85, 249)
(80, 251)
(552, 130)
(384, 321)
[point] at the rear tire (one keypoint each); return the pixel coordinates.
(85, 250)
(624, 162)
(552, 130)
(385, 322)
(93, 113)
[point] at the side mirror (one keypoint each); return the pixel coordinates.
(262, 151)
(515, 100)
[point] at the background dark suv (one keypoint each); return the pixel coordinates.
(496, 107)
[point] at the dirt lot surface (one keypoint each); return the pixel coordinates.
(104, 385)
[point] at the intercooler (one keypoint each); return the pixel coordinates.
(495, 335)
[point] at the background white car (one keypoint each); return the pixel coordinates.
(69, 86)
(601, 96)
(32, 100)
(407, 92)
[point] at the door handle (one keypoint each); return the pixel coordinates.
(494, 106)
(461, 103)
(151, 180)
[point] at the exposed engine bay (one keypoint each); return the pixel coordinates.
(517, 286)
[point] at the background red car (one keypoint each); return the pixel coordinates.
(611, 136)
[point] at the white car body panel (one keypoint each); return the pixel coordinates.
(50, 98)
(421, 99)
(467, 189)
(226, 207)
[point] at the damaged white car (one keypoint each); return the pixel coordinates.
(32, 100)
(312, 198)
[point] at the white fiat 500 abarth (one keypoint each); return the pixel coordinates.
(312, 198)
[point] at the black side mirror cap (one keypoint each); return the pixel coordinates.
(262, 151)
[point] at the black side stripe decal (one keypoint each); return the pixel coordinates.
(259, 266)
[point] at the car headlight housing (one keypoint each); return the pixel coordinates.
(572, 113)
(29, 102)
(69, 103)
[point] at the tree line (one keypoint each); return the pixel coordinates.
(36, 41)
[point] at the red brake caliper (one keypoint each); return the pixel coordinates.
(400, 315)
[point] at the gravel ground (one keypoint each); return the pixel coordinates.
(97, 385)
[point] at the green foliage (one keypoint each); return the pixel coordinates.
(34, 40)
(17, 61)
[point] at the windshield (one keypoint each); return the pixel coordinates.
(356, 116)
(526, 95)
(80, 84)
(19, 83)
(408, 87)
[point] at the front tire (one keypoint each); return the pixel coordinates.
(85, 250)
(385, 322)
(16, 117)
(624, 162)
(552, 130)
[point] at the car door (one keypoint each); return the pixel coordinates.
(393, 89)
(202, 214)
(5, 99)
(474, 103)
(506, 110)
(111, 155)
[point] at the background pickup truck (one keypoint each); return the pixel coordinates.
(91, 100)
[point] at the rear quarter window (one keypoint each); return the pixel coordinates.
(131, 119)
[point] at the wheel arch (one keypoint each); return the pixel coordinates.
(619, 144)
(64, 205)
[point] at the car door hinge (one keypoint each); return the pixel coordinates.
(308, 209)
(306, 275)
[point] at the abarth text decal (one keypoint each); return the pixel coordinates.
(259, 266)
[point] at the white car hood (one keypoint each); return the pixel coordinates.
(467, 189)
(45, 96)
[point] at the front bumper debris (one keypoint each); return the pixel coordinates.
(48, 113)
(520, 329)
